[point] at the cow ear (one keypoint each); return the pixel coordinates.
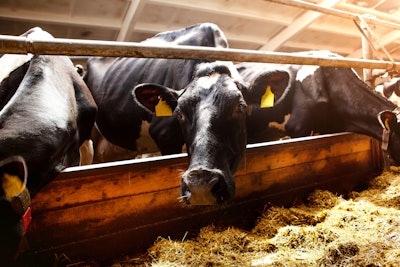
(156, 98)
(13, 176)
(388, 120)
(268, 88)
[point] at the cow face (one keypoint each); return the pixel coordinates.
(388, 120)
(212, 114)
(14, 202)
(211, 111)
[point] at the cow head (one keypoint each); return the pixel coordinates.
(14, 207)
(46, 112)
(391, 133)
(212, 114)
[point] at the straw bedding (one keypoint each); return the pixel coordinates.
(325, 230)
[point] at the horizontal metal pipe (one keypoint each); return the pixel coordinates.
(77, 47)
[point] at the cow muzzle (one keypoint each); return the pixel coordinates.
(204, 187)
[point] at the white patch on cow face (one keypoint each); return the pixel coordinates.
(306, 71)
(207, 82)
(9, 62)
(39, 34)
(50, 101)
(57, 98)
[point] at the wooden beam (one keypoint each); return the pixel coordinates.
(384, 40)
(311, 46)
(367, 53)
(334, 12)
(362, 10)
(131, 17)
(76, 47)
(238, 10)
(296, 26)
(27, 15)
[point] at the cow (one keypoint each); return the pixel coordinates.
(46, 113)
(330, 100)
(260, 119)
(211, 111)
(111, 81)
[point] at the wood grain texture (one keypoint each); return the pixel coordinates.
(129, 203)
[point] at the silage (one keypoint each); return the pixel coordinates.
(325, 230)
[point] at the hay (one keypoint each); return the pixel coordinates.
(325, 230)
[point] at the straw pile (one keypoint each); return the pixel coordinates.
(325, 230)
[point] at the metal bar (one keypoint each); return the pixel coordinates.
(334, 12)
(77, 47)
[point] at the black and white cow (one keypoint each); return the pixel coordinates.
(46, 113)
(259, 118)
(329, 100)
(211, 111)
(111, 80)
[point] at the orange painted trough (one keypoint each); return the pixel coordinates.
(107, 210)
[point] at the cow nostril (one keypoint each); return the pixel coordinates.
(203, 187)
(218, 190)
(185, 193)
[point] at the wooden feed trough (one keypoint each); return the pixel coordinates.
(107, 210)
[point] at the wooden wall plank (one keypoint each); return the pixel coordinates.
(122, 201)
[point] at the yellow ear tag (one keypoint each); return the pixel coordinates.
(162, 109)
(12, 185)
(387, 124)
(267, 100)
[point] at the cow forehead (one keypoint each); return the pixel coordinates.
(10, 62)
(305, 72)
(207, 82)
(214, 86)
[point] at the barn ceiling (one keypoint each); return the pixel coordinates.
(255, 24)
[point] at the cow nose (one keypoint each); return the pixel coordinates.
(203, 187)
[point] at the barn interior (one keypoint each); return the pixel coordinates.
(270, 25)
(265, 25)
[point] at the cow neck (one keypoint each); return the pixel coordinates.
(364, 108)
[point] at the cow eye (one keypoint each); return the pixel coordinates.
(242, 107)
(179, 114)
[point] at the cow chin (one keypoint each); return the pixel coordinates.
(204, 186)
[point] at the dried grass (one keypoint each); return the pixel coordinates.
(325, 230)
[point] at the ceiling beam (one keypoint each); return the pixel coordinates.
(27, 15)
(131, 17)
(215, 7)
(296, 26)
(383, 40)
(311, 46)
(362, 10)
